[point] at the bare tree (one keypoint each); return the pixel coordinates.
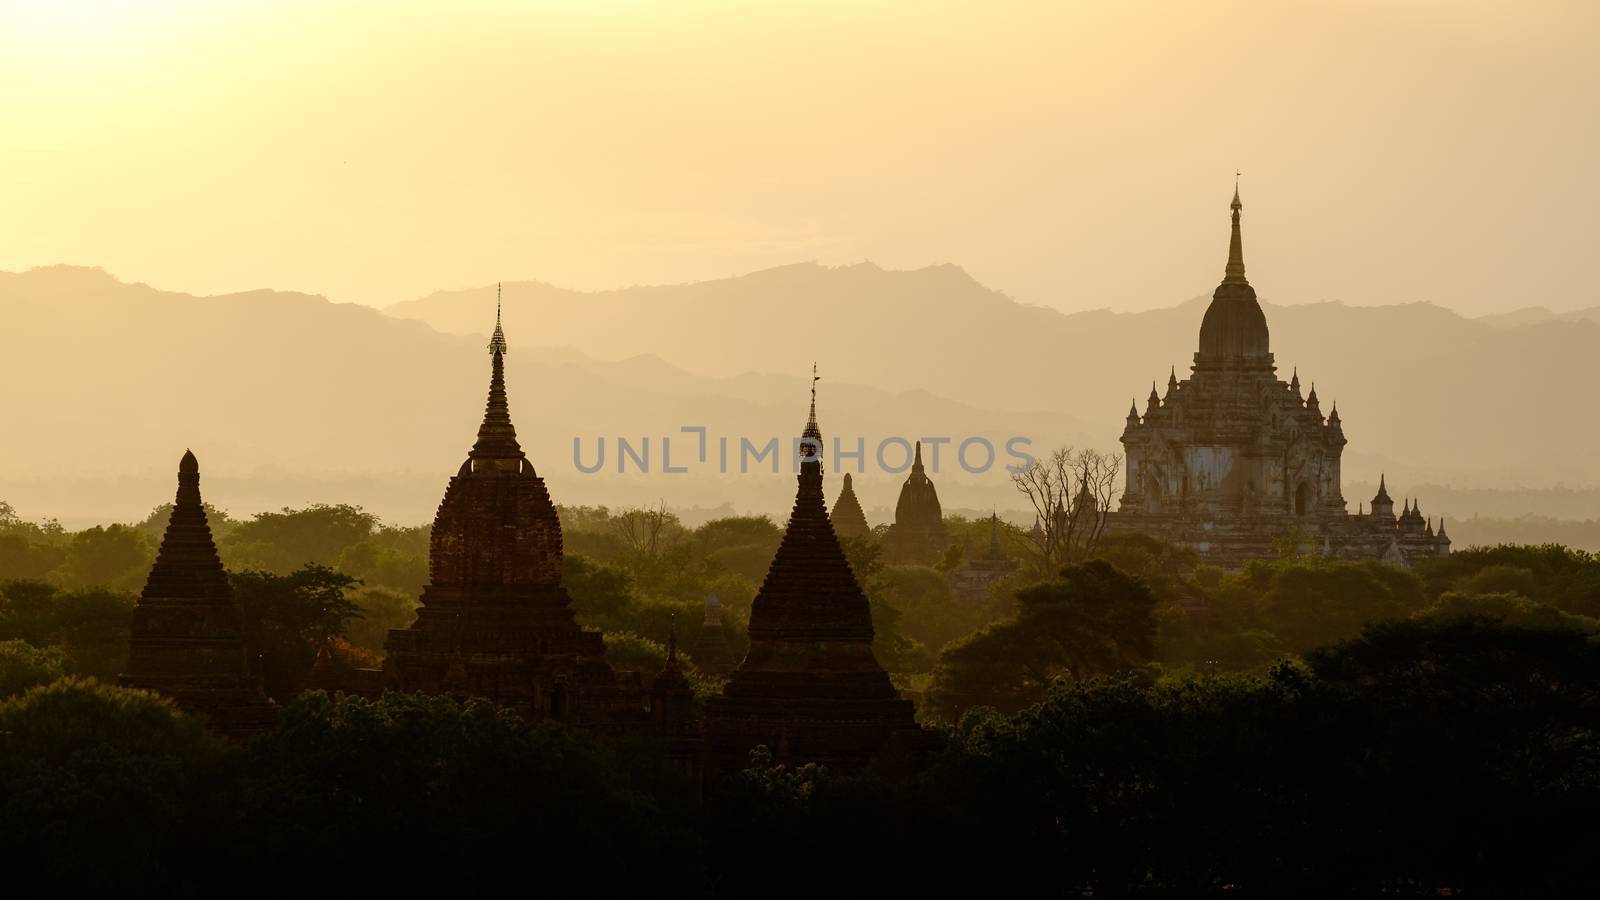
(1071, 493)
(643, 529)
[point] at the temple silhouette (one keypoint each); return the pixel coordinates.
(918, 536)
(495, 620)
(1232, 460)
(809, 689)
(187, 634)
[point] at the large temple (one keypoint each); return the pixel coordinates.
(187, 634)
(495, 620)
(1232, 460)
(918, 536)
(809, 688)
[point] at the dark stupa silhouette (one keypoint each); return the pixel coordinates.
(848, 519)
(187, 635)
(494, 619)
(809, 688)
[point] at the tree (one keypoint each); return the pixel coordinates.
(1091, 620)
(90, 626)
(23, 666)
(102, 784)
(112, 556)
(288, 619)
(280, 542)
(646, 530)
(476, 785)
(379, 611)
(1071, 493)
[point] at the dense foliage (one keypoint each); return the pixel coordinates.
(1131, 722)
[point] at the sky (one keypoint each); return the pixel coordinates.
(1072, 154)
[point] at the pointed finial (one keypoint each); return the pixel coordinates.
(497, 343)
(188, 465)
(814, 379)
(811, 445)
(1235, 269)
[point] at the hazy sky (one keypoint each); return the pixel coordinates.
(1076, 154)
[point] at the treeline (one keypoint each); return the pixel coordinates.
(1422, 756)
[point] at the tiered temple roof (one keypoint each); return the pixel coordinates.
(848, 519)
(810, 688)
(495, 620)
(187, 635)
(918, 535)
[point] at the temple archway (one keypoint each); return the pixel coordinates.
(1302, 498)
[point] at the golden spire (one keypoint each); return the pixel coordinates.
(1235, 270)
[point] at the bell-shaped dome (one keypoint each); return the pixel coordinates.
(1234, 329)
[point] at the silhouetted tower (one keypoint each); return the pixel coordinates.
(918, 535)
(809, 688)
(187, 636)
(495, 620)
(848, 519)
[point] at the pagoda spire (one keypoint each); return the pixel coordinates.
(1235, 269)
(186, 635)
(809, 590)
(497, 437)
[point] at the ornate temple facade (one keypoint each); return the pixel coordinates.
(1231, 461)
(918, 536)
(848, 519)
(809, 688)
(187, 634)
(495, 620)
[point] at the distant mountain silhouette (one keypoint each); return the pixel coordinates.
(1425, 394)
(1534, 315)
(289, 398)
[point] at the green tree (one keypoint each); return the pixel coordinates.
(281, 542)
(23, 666)
(1092, 619)
(288, 619)
(101, 785)
(111, 556)
(90, 626)
(379, 610)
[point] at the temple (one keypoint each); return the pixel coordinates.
(712, 653)
(848, 519)
(1233, 461)
(809, 688)
(187, 633)
(971, 582)
(918, 536)
(495, 620)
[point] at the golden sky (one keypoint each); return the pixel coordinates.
(1074, 154)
